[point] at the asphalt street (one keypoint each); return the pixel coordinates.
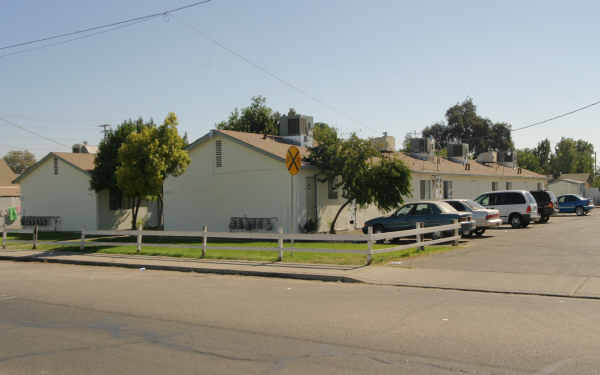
(567, 245)
(63, 319)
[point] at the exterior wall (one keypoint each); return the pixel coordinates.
(564, 187)
(121, 219)
(67, 195)
(5, 203)
(249, 184)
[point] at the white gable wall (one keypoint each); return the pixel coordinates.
(249, 184)
(67, 195)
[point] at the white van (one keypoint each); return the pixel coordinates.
(517, 207)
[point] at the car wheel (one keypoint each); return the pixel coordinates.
(525, 223)
(544, 219)
(579, 211)
(479, 232)
(436, 235)
(376, 230)
(516, 221)
(468, 234)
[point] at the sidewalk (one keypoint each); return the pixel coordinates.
(492, 282)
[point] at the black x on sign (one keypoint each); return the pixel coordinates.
(293, 160)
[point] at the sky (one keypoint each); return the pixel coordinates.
(362, 66)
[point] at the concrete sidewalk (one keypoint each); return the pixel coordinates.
(491, 282)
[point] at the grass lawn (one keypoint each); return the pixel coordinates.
(252, 255)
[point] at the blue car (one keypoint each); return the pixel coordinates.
(570, 203)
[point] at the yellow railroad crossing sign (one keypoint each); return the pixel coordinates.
(293, 160)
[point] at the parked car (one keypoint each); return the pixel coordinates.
(484, 217)
(517, 207)
(575, 203)
(547, 204)
(431, 213)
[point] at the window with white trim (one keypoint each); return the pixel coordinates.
(494, 185)
(447, 189)
(509, 186)
(425, 189)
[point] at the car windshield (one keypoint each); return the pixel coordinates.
(445, 207)
(473, 205)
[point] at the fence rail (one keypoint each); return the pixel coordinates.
(369, 239)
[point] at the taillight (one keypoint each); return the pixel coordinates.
(492, 216)
(550, 205)
(528, 209)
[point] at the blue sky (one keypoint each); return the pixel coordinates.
(390, 66)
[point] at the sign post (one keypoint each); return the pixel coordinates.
(293, 163)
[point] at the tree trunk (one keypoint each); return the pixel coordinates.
(332, 228)
(134, 212)
(161, 205)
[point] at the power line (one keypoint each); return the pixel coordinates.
(73, 39)
(278, 78)
(557, 117)
(32, 132)
(93, 28)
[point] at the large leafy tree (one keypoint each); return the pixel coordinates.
(356, 168)
(19, 160)
(146, 158)
(543, 153)
(256, 118)
(322, 130)
(526, 158)
(107, 160)
(571, 156)
(463, 124)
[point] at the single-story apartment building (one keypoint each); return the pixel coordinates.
(238, 181)
(56, 192)
(10, 197)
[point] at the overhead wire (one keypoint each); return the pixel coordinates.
(557, 117)
(32, 132)
(104, 26)
(277, 77)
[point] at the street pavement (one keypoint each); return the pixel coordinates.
(66, 319)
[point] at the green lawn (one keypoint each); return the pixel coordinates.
(252, 255)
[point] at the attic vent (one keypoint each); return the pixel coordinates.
(219, 153)
(55, 165)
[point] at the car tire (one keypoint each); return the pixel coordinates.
(376, 230)
(525, 223)
(436, 235)
(516, 221)
(579, 211)
(479, 232)
(544, 219)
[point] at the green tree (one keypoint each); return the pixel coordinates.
(355, 167)
(19, 161)
(256, 118)
(322, 130)
(526, 158)
(107, 159)
(571, 156)
(439, 133)
(543, 152)
(146, 158)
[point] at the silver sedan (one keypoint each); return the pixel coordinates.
(484, 217)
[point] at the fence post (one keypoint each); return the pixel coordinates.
(204, 240)
(82, 242)
(420, 237)
(4, 236)
(280, 244)
(370, 244)
(456, 233)
(35, 236)
(139, 238)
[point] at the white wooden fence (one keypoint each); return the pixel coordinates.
(370, 239)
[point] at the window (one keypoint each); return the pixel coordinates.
(510, 198)
(447, 189)
(494, 186)
(425, 189)
(219, 153)
(486, 200)
(423, 209)
(562, 199)
(404, 210)
(331, 189)
(55, 165)
(457, 205)
(509, 186)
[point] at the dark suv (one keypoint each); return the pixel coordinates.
(547, 204)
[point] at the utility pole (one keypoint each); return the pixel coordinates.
(105, 128)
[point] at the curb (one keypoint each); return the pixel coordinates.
(281, 275)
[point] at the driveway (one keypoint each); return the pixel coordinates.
(567, 245)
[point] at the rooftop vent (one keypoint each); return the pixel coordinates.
(458, 152)
(508, 158)
(488, 157)
(387, 143)
(296, 129)
(422, 148)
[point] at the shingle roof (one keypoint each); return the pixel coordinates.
(275, 147)
(447, 166)
(582, 177)
(7, 188)
(83, 161)
(270, 144)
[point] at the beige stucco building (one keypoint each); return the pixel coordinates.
(238, 181)
(57, 188)
(10, 196)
